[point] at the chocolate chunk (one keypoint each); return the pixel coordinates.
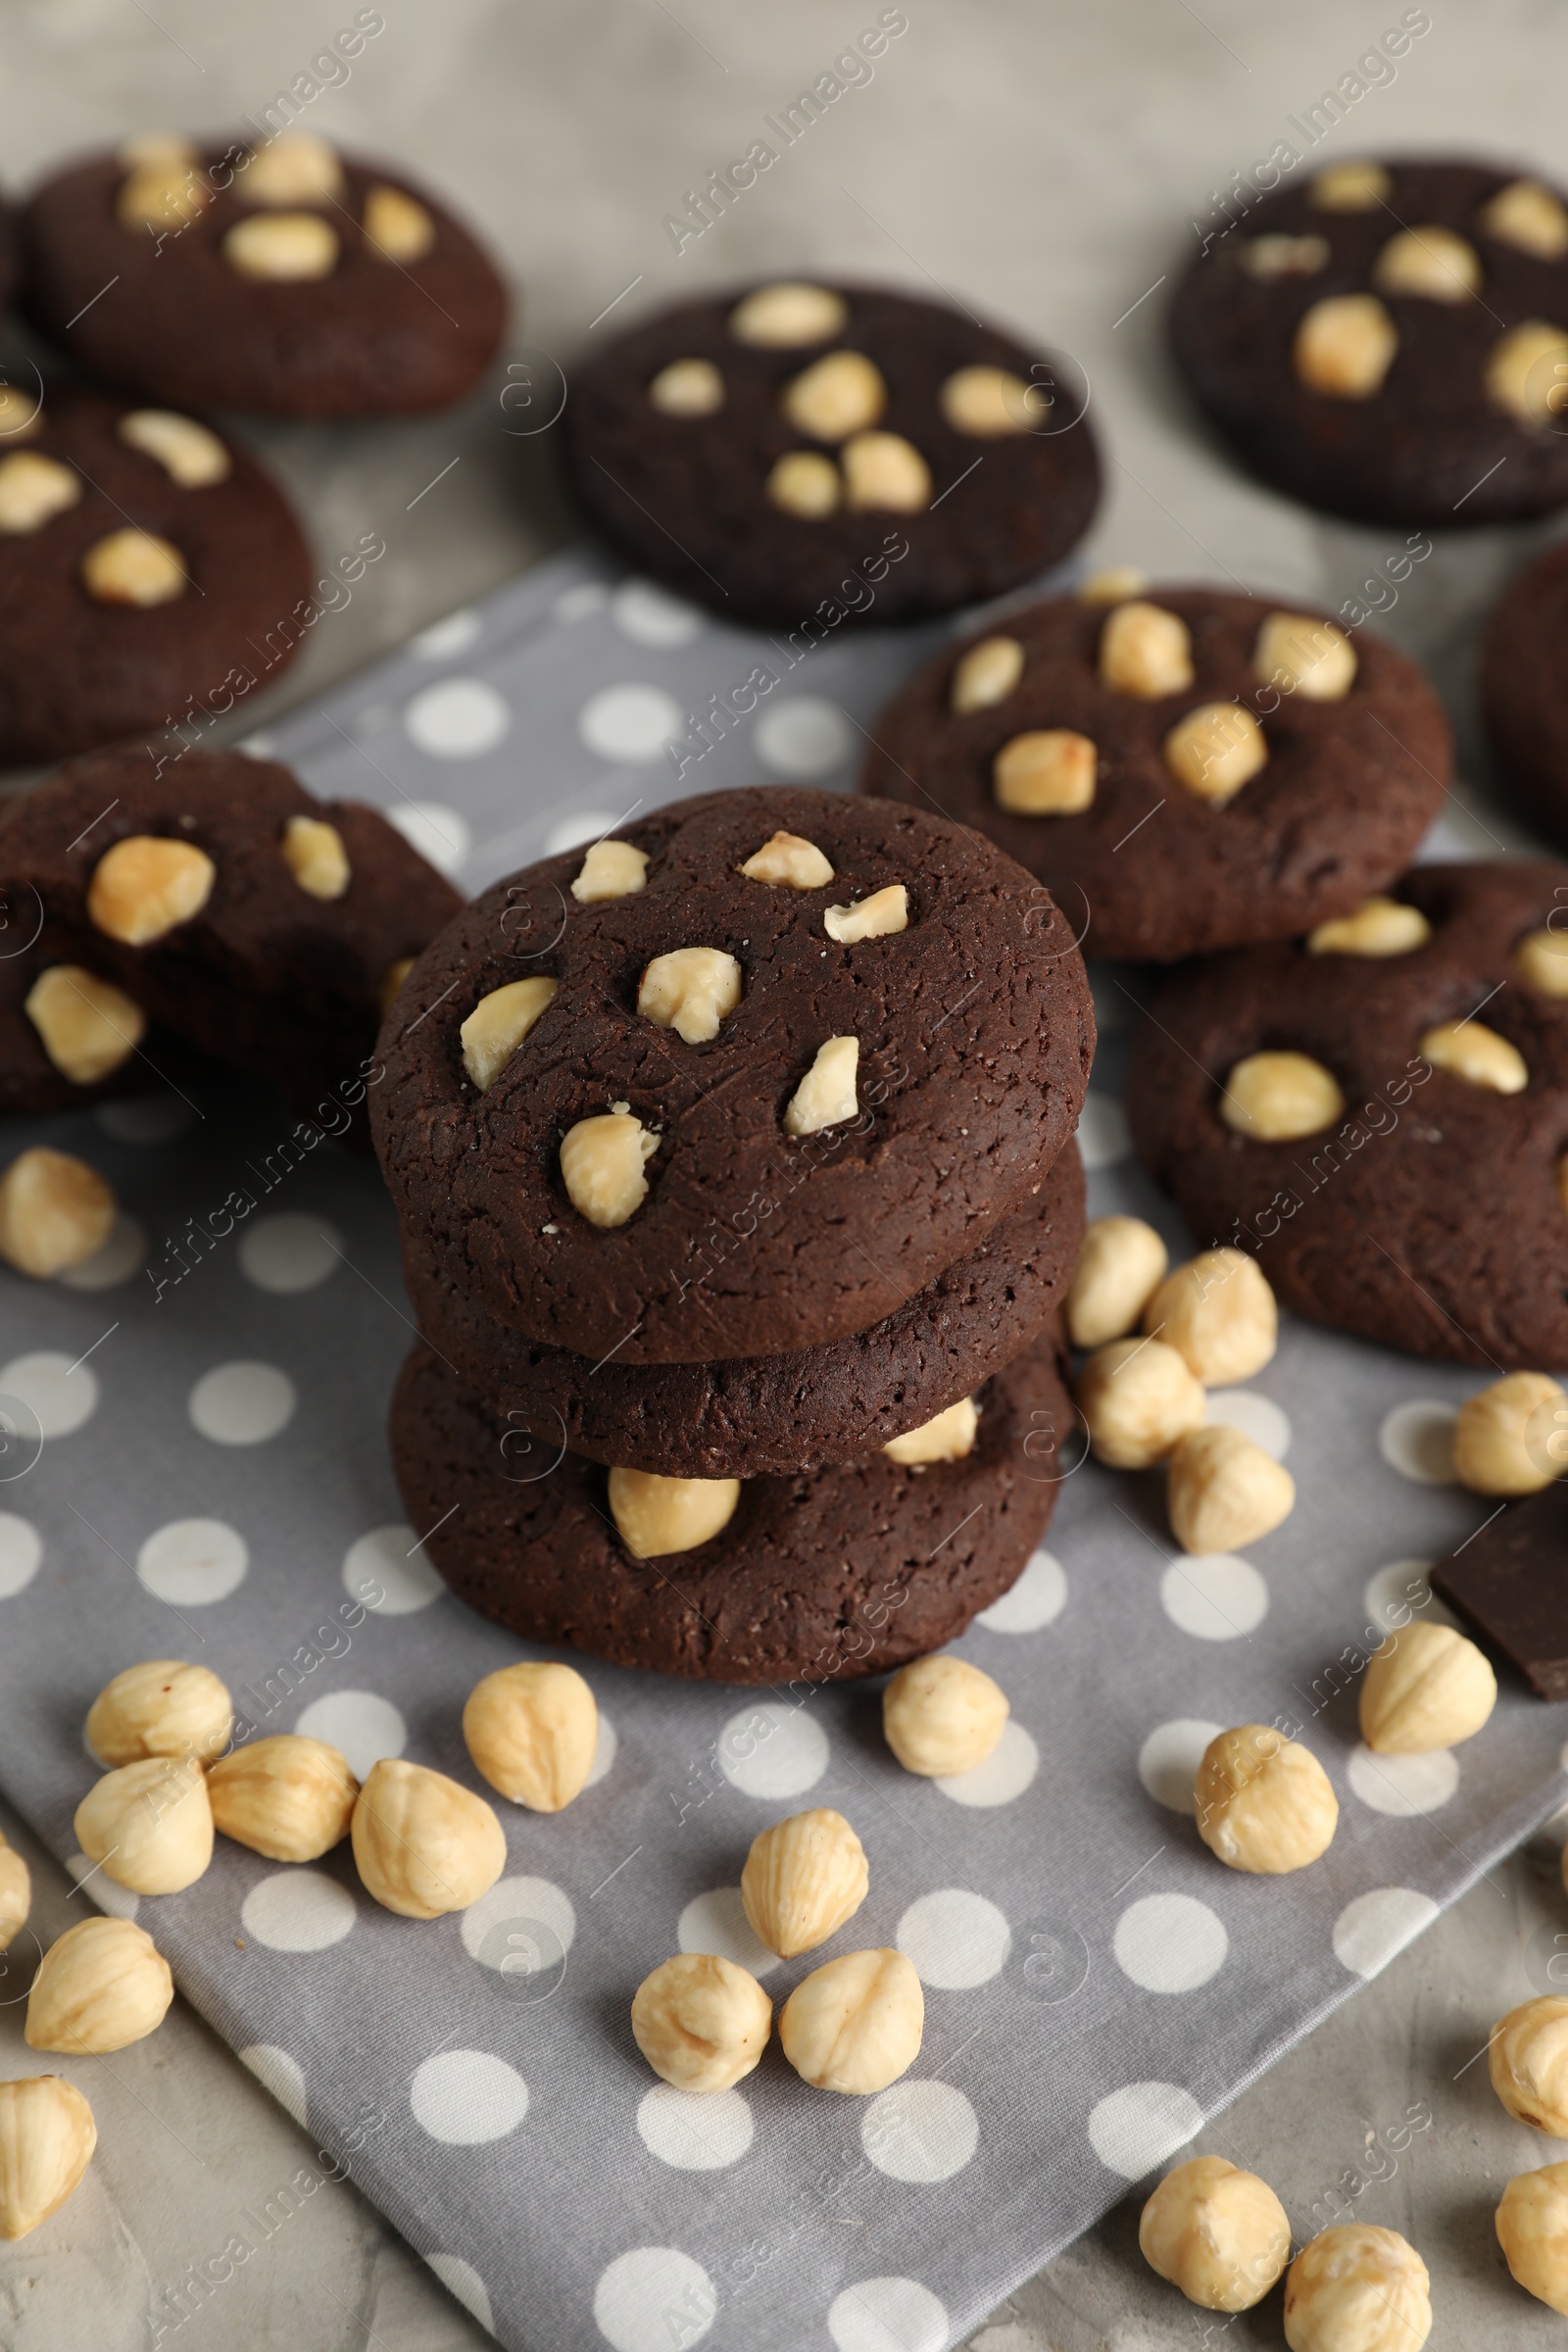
(1509, 1584)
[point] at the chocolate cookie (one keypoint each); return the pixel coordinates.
(1187, 771)
(815, 1576)
(1389, 341)
(145, 565)
(284, 279)
(1524, 694)
(740, 1082)
(1381, 1115)
(258, 924)
(805, 456)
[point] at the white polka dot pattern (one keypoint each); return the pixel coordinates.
(887, 2315)
(279, 2074)
(772, 1751)
(1370, 1931)
(1404, 1785)
(1417, 1440)
(630, 723)
(191, 1562)
(298, 1911)
(458, 719)
(956, 1939)
(461, 2280)
(21, 1551)
(243, 1404)
(388, 1571)
(1036, 1600)
(1168, 1760)
(1213, 1596)
(1170, 1943)
(921, 2131)
(289, 1252)
(653, 2298)
(363, 1726)
(1004, 1777)
(803, 737)
(1138, 2127)
(693, 2133)
(716, 1923)
(59, 1393)
(465, 2097)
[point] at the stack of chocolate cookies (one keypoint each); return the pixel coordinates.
(735, 1167)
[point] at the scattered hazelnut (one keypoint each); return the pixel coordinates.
(1218, 1312)
(1431, 262)
(1425, 1687)
(1357, 2289)
(1377, 927)
(803, 1877)
(1503, 1438)
(1138, 1398)
(289, 1798)
(692, 990)
(804, 483)
(1345, 345)
(149, 1824)
(943, 1716)
(1532, 2232)
(1353, 186)
(1048, 771)
(612, 869)
(425, 1845)
(947, 1437)
(167, 192)
(392, 980)
(397, 227)
(700, 2021)
(839, 394)
(54, 1212)
(133, 567)
(1529, 217)
(1540, 960)
(1302, 655)
(854, 2025)
(160, 1708)
(1263, 1803)
(1145, 651)
(16, 1894)
(190, 455)
(1527, 373)
(1218, 2234)
(1113, 585)
(826, 1094)
(687, 388)
(659, 1515)
(1278, 255)
(1528, 2059)
(1215, 750)
(879, 917)
(313, 853)
(1119, 1265)
(884, 471)
(99, 1986)
(47, 2136)
(532, 1731)
(601, 1166)
(145, 885)
(787, 315)
(33, 490)
(986, 675)
(282, 248)
(788, 862)
(21, 414)
(1224, 1491)
(1278, 1098)
(297, 167)
(498, 1025)
(1470, 1051)
(989, 402)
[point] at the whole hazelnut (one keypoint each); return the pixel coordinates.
(289, 1798)
(942, 1716)
(47, 2136)
(16, 1894)
(1263, 1803)
(425, 1845)
(160, 1708)
(803, 1877)
(1528, 2060)
(532, 1731)
(1503, 1441)
(1218, 1312)
(1425, 1687)
(854, 2025)
(103, 1985)
(700, 2021)
(149, 1824)
(1138, 1398)
(1218, 2234)
(1532, 2232)
(1357, 2289)
(1223, 1490)
(1119, 1266)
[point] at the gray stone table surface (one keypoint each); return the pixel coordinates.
(1046, 160)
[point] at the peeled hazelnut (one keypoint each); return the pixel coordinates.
(33, 490)
(425, 1845)
(498, 1025)
(297, 167)
(854, 2025)
(47, 2136)
(282, 248)
(1306, 655)
(187, 452)
(54, 1212)
(947, 1437)
(692, 990)
(601, 1166)
(1119, 1265)
(145, 885)
(1113, 585)
(1218, 2234)
(1527, 373)
(1357, 2289)
(1278, 1098)
(986, 675)
(1218, 1312)
(149, 1824)
(1431, 262)
(133, 567)
(1503, 1438)
(700, 2021)
(1145, 651)
(884, 471)
(168, 191)
(1215, 750)
(289, 1798)
(826, 1094)
(687, 388)
(1425, 1687)
(161, 1708)
(1532, 2232)
(397, 227)
(612, 869)
(1263, 1803)
(16, 1894)
(1277, 255)
(1529, 217)
(1351, 187)
(839, 394)
(788, 862)
(21, 414)
(804, 483)
(102, 1986)
(532, 1731)
(1048, 771)
(1528, 2059)
(787, 315)
(313, 853)
(989, 402)
(803, 1877)
(879, 917)
(943, 1716)
(1345, 345)
(1225, 1492)
(1540, 960)
(1138, 1398)
(1470, 1051)
(658, 1515)
(1377, 927)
